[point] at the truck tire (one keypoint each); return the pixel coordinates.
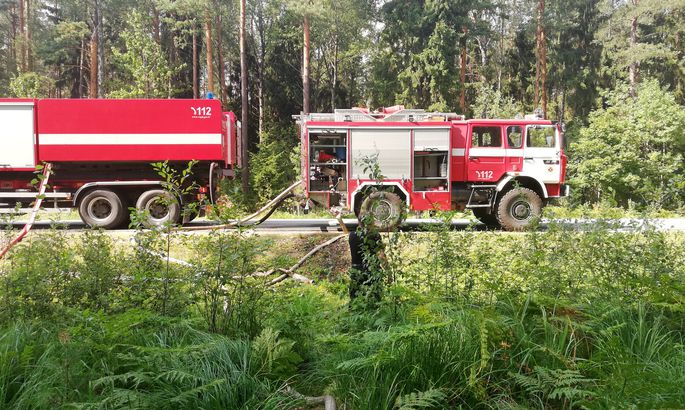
(488, 219)
(518, 208)
(383, 210)
(102, 208)
(159, 206)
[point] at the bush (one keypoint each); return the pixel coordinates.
(275, 166)
(31, 85)
(631, 152)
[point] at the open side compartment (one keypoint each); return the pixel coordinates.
(431, 171)
(431, 160)
(328, 161)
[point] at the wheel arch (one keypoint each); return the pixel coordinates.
(525, 181)
(395, 187)
(113, 185)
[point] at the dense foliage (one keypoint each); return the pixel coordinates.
(632, 150)
(554, 319)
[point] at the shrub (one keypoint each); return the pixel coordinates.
(631, 151)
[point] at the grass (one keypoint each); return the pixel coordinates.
(554, 319)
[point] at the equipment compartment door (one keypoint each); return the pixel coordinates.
(431, 170)
(389, 148)
(17, 136)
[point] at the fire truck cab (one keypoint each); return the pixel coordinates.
(380, 164)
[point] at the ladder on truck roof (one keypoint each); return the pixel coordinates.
(364, 115)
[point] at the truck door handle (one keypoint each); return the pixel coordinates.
(474, 158)
(528, 158)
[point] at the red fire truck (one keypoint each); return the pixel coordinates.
(505, 171)
(101, 150)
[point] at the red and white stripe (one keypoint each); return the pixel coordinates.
(130, 139)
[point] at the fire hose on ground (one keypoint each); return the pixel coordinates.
(36, 207)
(269, 208)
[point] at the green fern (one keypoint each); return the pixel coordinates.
(554, 384)
(432, 398)
(274, 357)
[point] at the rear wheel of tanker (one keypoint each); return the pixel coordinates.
(102, 208)
(382, 210)
(488, 219)
(518, 209)
(158, 207)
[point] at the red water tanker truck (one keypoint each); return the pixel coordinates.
(101, 151)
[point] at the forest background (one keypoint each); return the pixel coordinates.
(612, 70)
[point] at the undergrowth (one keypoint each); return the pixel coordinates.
(553, 319)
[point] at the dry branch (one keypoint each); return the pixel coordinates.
(314, 251)
(285, 273)
(290, 272)
(328, 401)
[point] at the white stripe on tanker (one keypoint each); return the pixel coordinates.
(129, 139)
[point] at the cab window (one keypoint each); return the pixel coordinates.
(541, 136)
(486, 137)
(514, 136)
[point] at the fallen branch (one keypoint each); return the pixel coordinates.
(285, 273)
(315, 250)
(327, 400)
(36, 207)
(290, 272)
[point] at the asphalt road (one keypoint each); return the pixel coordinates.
(331, 225)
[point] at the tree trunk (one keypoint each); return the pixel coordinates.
(100, 53)
(334, 76)
(541, 62)
(543, 66)
(156, 25)
(562, 110)
(29, 35)
(21, 46)
(462, 71)
(245, 176)
(13, 33)
(82, 57)
(93, 85)
(223, 91)
(260, 67)
(305, 66)
(210, 53)
(195, 84)
(500, 55)
(483, 47)
(634, 66)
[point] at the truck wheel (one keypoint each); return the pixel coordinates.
(488, 219)
(383, 210)
(102, 209)
(160, 207)
(518, 208)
